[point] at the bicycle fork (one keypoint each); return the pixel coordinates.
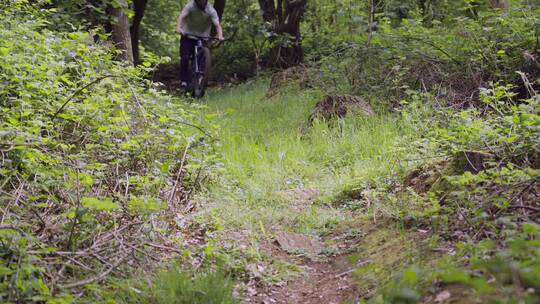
(196, 57)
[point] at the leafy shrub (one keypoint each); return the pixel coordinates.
(88, 149)
(489, 205)
(496, 168)
(485, 272)
(451, 57)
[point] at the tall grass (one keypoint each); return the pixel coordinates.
(174, 285)
(268, 148)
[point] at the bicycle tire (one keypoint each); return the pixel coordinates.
(199, 82)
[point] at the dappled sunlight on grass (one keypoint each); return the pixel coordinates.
(269, 147)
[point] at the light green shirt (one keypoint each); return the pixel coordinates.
(198, 22)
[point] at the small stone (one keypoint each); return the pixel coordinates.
(443, 296)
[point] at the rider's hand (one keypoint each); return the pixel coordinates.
(220, 38)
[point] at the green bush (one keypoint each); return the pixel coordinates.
(451, 57)
(86, 146)
(487, 204)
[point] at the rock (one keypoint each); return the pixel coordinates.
(443, 296)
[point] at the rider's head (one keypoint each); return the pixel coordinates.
(201, 4)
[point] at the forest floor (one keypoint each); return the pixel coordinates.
(279, 199)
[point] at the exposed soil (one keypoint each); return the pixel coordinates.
(364, 256)
(168, 75)
(326, 281)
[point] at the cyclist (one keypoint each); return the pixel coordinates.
(196, 19)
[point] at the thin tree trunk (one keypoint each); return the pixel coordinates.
(285, 20)
(268, 9)
(371, 21)
(139, 7)
(219, 5)
(120, 33)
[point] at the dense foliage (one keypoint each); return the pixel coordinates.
(100, 167)
(484, 198)
(88, 148)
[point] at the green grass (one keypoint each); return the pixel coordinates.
(172, 285)
(265, 152)
(176, 287)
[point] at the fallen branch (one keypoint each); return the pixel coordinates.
(96, 278)
(531, 208)
(164, 248)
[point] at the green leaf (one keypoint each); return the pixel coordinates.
(94, 203)
(145, 205)
(455, 276)
(86, 180)
(480, 285)
(410, 276)
(4, 271)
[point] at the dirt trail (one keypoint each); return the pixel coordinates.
(326, 281)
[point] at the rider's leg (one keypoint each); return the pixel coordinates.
(186, 50)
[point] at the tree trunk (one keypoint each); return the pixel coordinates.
(219, 5)
(371, 21)
(285, 20)
(375, 6)
(139, 6)
(120, 32)
(268, 9)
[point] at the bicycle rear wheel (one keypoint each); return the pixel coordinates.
(199, 79)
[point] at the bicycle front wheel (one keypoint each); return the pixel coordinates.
(200, 77)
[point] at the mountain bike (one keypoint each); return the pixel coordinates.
(199, 67)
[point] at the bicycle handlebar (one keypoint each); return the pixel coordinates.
(202, 37)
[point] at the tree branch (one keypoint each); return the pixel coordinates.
(82, 89)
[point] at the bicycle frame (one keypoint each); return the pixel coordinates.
(198, 73)
(198, 47)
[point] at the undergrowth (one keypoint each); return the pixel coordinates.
(95, 162)
(483, 205)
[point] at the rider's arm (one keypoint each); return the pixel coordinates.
(219, 30)
(180, 23)
(217, 24)
(182, 18)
